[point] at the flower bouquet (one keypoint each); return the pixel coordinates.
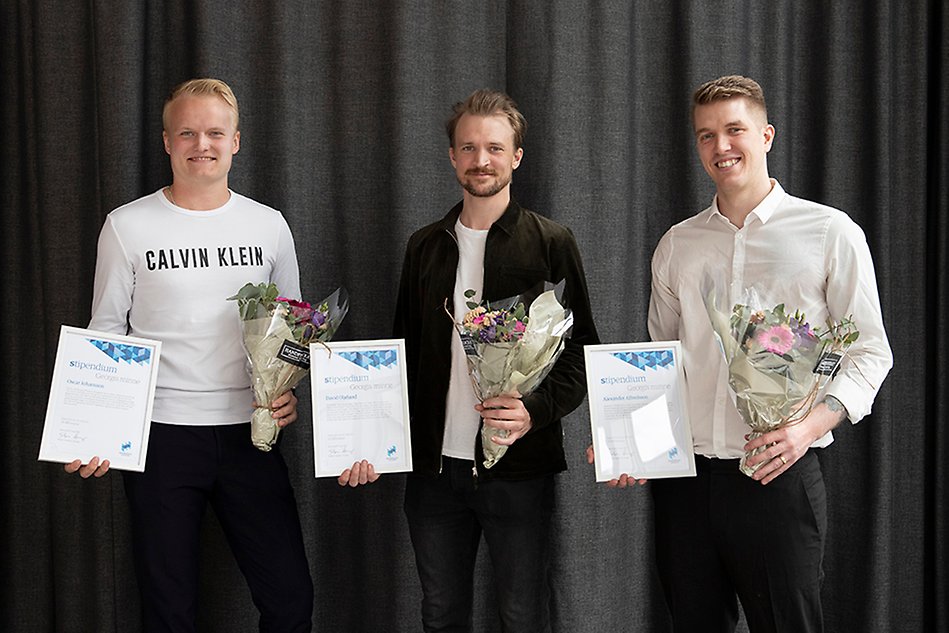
(277, 332)
(510, 350)
(777, 363)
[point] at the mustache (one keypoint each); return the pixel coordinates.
(481, 172)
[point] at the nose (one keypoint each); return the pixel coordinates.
(722, 143)
(484, 157)
(204, 141)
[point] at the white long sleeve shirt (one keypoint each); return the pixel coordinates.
(165, 273)
(806, 255)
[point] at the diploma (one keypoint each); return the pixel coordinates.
(360, 406)
(100, 400)
(638, 418)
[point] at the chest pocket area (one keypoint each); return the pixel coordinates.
(516, 280)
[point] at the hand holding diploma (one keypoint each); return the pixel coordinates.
(100, 401)
(639, 425)
(360, 474)
(92, 469)
(622, 481)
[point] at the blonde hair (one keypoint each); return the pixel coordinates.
(204, 87)
(487, 102)
(729, 87)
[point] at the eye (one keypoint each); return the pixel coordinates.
(187, 133)
(497, 149)
(705, 136)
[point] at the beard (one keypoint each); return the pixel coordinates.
(487, 189)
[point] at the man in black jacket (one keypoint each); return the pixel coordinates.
(489, 244)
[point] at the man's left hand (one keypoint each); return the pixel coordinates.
(788, 444)
(507, 413)
(284, 409)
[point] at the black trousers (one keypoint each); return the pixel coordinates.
(187, 468)
(447, 516)
(722, 535)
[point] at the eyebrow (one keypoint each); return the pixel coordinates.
(729, 124)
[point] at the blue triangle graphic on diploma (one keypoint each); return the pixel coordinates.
(123, 352)
(647, 360)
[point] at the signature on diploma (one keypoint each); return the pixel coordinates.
(73, 437)
(339, 451)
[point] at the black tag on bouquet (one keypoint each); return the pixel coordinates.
(468, 343)
(294, 354)
(828, 364)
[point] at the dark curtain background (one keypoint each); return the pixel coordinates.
(342, 108)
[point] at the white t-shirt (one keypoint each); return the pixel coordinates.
(461, 419)
(163, 272)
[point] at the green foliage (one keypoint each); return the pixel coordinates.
(255, 300)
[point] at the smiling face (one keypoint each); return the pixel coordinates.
(733, 139)
(484, 156)
(201, 137)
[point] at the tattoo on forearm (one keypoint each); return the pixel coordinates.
(836, 406)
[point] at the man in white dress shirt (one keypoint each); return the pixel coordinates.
(723, 535)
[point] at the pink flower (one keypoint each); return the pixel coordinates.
(294, 302)
(519, 326)
(777, 339)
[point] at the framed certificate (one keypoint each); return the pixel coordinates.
(638, 416)
(100, 400)
(360, 406)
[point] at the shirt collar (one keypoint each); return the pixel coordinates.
(763, 211)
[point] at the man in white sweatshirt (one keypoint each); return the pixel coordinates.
(166, 264)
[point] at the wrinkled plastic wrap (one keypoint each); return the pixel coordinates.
(513, 367)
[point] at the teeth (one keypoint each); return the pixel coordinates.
(728, 163)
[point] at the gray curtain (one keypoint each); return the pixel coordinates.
(342, 108)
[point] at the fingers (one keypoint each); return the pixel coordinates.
(502, 402)
(509, 438)
(591, 456)
(93, 469)
(772, 469)
(284, 409)
(773, 458)
(360, 474)
(625, 481)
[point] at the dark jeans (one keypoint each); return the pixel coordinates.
(188, 467)
(722, 534)
(447, 516)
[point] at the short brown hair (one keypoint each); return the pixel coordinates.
(729, 87)
(487, 102)
(204, 87)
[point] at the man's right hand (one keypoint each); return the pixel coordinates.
(92, 469)
(360, 474)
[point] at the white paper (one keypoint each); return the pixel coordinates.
(100, 399)
(652, 429)
(360, 406)
(639, 423)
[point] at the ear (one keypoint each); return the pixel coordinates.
(451, 156)
(518, 155)
(768, 137)
(237, 142)
(164, 138)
